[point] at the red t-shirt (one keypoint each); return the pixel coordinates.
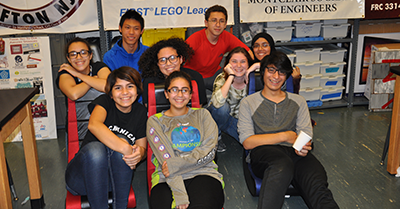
(207, 57)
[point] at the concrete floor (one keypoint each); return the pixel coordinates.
(348, 142)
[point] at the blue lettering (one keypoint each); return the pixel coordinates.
(171, 12)
(145, 11)
(155, 13)
(163, 10)
(122, 12)
(196, 10)
(139, 10)
(179, 10)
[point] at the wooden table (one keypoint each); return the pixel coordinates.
(16, 111)
(394, 145)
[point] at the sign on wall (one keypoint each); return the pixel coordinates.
(293, 10)
(382, 9)
(47, 16)
(163, 14)
(26, 63)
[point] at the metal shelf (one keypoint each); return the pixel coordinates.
(332, 41)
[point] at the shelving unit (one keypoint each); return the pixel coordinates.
(348, 99)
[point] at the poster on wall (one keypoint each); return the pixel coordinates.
(361, 71)
(26, 63)
(47, 16)
(163, 14)
(274, 10)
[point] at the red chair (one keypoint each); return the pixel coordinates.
(73, 135)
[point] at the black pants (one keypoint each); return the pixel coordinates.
(205, 192)
(278, 166)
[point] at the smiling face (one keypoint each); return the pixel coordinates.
(261, 48)
(216, 23)
(124, 93)
(169, 66)
(273, 81)
(239, 64)
(131, 31)
(80, 63)
(179, 99)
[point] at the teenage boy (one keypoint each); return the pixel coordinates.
(210, 45)
(268, 125)
(127, 50)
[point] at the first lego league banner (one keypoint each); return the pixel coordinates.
(47, 16)
(163, 13)
(294, 10)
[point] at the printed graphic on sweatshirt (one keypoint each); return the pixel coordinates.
(185, 138)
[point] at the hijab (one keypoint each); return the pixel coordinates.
(267, 37)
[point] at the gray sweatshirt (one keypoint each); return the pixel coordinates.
(188, 144)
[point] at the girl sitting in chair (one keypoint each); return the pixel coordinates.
(184, 142)
(114, 145)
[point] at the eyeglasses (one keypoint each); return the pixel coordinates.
(262, 45)
(215, 21)
(176, 90)
(84, 53)
(274, 70)
(172, 59)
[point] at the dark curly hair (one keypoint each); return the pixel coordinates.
(149, 59)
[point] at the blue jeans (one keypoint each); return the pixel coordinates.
(94, 171)
(224, 120)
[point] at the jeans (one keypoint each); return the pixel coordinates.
(224, 120)
(94, 171)
(278, 166)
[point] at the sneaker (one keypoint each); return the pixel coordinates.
(221, 146)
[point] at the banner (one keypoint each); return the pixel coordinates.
(163, 14)
(295, 10)
(47, 16)
(382, 9)
(26, 63)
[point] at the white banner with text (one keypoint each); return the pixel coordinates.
(47, 16)
(163, 14)
(295, 10)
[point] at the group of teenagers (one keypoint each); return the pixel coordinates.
(185, 140)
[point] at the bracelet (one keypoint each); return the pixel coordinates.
(232, 74)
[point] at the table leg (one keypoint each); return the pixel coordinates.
(394, 144)
(31, 158)
(5, 195)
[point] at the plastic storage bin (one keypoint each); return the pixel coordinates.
(334, 31)
(332, 68)
(330, 81)
(283, 34)
(310, 94)
(278, 24)
(328, 94)
(334, 21)
(152, 36)
(309, 68)
(310, 81)
(290, 54)
(307, 29)
(305, 53)
(331, 53)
